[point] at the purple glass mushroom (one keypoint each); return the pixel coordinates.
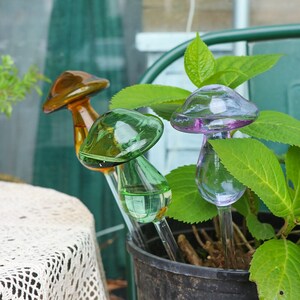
(214, 108)
(214, 111)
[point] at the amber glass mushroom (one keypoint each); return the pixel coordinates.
(72, 90)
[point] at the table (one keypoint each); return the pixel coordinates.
(48, 246)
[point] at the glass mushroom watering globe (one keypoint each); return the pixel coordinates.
(215, 111)
(72, 90)
(119, 138)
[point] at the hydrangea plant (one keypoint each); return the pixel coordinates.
(275, 265)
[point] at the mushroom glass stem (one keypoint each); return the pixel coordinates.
(225, 220)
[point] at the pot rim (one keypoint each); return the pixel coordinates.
(183, 268)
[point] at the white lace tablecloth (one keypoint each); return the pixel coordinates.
(48, 248)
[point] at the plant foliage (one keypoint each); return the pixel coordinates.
(202, 69)
(276, 263)
(14, 88)
(276, 269)
(188, 206)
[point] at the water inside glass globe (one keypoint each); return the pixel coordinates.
(144, 192)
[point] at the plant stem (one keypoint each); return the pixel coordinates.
(189, 252)
(287, 227)
(216, 227)
(226, 229)
(295, 232)
(241, 235)
(197, 236)
(252, 202)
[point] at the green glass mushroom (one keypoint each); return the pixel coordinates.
(119, 138)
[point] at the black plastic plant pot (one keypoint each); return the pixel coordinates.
(160, 278)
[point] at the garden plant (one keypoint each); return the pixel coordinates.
(274, 181)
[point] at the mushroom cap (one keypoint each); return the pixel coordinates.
(214, 108)
(119, 136)
(72, 86)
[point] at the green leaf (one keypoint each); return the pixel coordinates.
(248, 203)
(292, 164)
(165, 110)
(187, 205)
(275, 268)
(147, 95)
(276, 127)
(226, 77)
(199, 62)
(259, 230)
(256, 166)
(14, 88)
(247, 66)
